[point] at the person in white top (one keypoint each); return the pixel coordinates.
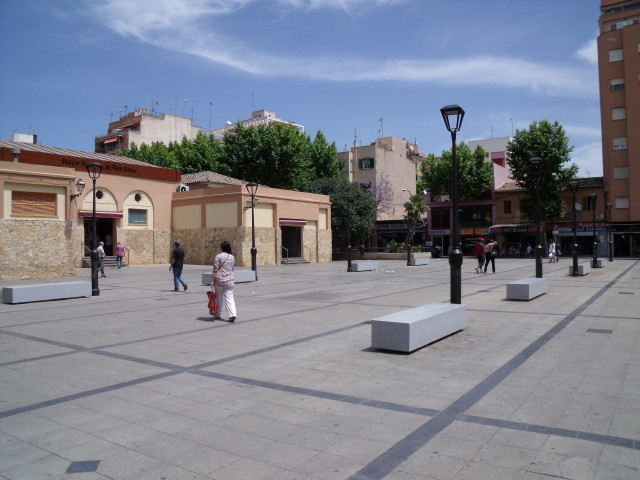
(101, 257)
(552, 252)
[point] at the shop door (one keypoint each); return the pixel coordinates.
(291, 241)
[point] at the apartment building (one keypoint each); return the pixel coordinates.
(142, 126)
(619, 71)
(259, 117)
(389, 164)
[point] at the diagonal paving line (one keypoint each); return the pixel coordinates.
(388, 461)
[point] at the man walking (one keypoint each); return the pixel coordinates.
(101, 257)
(480, 254)
(119, 254)
(177, 262)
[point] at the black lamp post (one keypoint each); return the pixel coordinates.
(609, 206)
(252, 188)
(594, 198)
(452, 116)
(573, 185)
(536, 162)
(350, 201)
(94, 169)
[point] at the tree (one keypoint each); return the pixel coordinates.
(324, 157)
(549, 142)
(475, 175)
(351, 206)
(381, 192)
(414, 208)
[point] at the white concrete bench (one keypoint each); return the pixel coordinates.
(45, 291)
(598, 263)
(365, 265)
(411, 329)
(239, 276)
(418, 261)
(583, 269)
(526, 289)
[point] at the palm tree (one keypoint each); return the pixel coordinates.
(414, 209)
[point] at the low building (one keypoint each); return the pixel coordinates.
(289, 226)
(259, 117)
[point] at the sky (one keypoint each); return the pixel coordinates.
(365, 68)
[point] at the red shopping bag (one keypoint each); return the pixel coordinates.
(213, 303)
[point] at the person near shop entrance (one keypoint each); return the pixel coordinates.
(101, 257)
(490, 255)
(177, 263)
(479, 254)
(119, 254)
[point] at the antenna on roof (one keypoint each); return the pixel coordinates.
(381, 129)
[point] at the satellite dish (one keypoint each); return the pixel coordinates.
(578, 207)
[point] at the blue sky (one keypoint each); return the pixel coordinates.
(70, 66)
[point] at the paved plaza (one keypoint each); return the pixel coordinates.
(139, 384)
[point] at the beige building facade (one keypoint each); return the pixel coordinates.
(288, 225)
(45, 232)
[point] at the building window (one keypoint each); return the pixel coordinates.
(618, 113)
(589, 203)
(620, 143)
(507, 206)
(617, 84)
(620, 173)
(366, 163)
(615, 55)
(33, 204)
(345, 166)
(137, 217)
(440, 218)
(622, 202)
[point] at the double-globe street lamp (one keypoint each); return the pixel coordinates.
(452, 116)
(536, 163)
(594, 199)
(94, 169)
(252, 188)
(573, 185)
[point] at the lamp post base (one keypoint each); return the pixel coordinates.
(455, 263)
(95, 290)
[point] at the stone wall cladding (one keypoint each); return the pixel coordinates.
(324, 246)
(146, 247)
(38, 249)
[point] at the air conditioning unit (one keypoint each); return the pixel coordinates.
(182, 188)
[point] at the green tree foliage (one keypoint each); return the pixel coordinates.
(475, 175)
(276, 155)
(414, 208)
(549, 142)
(350, 205)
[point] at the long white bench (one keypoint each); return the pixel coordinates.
(526, 289)
(45, 291)
(583, 269)
(239, 276)
(364, 265)
(418, 261)
(411, 329)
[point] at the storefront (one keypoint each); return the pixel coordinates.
(626, 240)
(397, 231)
(584, 240)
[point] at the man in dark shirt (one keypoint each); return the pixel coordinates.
(177, 262)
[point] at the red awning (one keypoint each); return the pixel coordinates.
(111, 140)
(89, 213)
(294, 223)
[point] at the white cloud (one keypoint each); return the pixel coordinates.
(589, 52)
(189, 26)
(589, 159)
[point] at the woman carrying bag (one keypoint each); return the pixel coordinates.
(222, 281)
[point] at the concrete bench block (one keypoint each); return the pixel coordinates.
(45, 291)
(526, 289)
(418, 261)
(598, 263)
(583, 269)
(411, 329)
(239, 276)
(365, 265)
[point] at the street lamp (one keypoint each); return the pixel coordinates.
(609, 239)
(573, 185)
(536, 162)
(79, 187)
(94, 169)
(252, 188)
(452, 116)
(350, 201)
(594, 198)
